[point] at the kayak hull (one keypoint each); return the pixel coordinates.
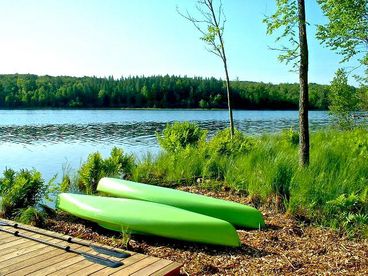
(235, 213)
(127, 215)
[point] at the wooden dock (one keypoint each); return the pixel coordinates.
(21, 256)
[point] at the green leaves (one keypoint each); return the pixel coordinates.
(223, 145)
(20, 190)
(178, 136)
(211, 37)
(343, 100)
(284, 22)
(347, 30)
(97, 167)
(210, 22)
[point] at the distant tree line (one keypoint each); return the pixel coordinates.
(32, 91)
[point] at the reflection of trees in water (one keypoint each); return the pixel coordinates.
(131, 133)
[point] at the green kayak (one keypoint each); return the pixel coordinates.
(128, 215)
(235, 213)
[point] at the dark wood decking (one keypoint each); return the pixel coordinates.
(20, 256)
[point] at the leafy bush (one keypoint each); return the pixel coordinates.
(349, 212)
(116, 165)
(343, 100)
(21, 190)
(223, 144)
(32, 216)
(180, 135)
(291, 136)
(90, 173)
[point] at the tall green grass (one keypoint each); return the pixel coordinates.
(266, 168)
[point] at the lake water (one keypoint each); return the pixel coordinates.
(49, 140)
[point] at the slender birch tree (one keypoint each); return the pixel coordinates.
(211, 24)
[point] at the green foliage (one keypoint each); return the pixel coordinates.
(90, 173)
(267, 168)
(343, 100)
(283, 172)
(210, 22)
(20, 190)
(203, 104)
(349, 212)
(66, 183)
(116, 165)
(346, 30)
(223, 144)
(156, 91)
(291, 136)
(180, 135)
(285, 19)
(119, 163)
(32, 216)
(215, 168)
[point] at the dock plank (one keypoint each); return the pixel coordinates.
(152, 268)
(93, 268)
(71, 268)
(126, 263)
(55, 260)
(169, 270)
(136, 266)
(51, 269)
(24, 253)
(21, 256)
(35, 258)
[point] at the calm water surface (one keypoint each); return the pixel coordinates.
(49, 140)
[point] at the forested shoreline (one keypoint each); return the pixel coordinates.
(32, 91)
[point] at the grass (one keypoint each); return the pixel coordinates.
(267, 168)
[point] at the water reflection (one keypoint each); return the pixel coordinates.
(130, 134)
(47, 140)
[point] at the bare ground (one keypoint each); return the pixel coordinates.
(285, 246)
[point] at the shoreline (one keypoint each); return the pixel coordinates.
(149, 108)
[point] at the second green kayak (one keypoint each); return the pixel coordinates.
(127, 215)
(235, 213)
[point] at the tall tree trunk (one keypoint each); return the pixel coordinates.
(303, 80)
(229, 99)
(224, 60)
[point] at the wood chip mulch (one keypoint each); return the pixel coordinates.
(285, 246)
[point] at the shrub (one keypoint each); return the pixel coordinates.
(223, 144)
(291, 136)
(21, 190)
(349, 212)
(90, 173)
(32, 216)
(116, 165)
(180, 135)
(343, 100)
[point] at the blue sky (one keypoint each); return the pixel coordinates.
(145, 37)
